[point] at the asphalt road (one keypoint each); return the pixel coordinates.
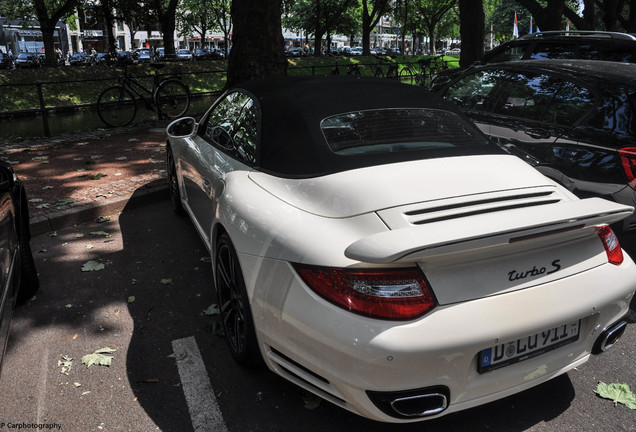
(148, 303)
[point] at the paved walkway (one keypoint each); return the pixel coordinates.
(80, 177)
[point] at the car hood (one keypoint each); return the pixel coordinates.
(370, 189)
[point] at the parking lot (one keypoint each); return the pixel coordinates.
(147, 305)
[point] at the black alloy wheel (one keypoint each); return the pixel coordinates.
(234, 306)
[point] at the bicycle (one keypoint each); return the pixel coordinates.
(352, 69)
(391, 73)
(410, 75)
(434, 65)
(117, 105)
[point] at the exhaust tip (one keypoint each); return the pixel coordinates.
(609, 337)
(411, 404)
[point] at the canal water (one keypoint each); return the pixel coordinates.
(81, 120)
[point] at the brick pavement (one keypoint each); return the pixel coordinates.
(80, 177)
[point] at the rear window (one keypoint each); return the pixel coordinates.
(397, 130)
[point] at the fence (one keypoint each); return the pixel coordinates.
(44, 97)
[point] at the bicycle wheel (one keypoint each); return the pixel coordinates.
(406, 76)
(116, 106)
(172, 98)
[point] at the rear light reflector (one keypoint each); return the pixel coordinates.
(628, 158)
(394, 294)
(611, 245)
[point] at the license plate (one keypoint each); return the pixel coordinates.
(527, 347)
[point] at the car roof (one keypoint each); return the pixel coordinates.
(292, 108)
(606, 73)
(579, 34)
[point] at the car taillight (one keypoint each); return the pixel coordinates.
(396, 294)
(628, 158)
(611, 244)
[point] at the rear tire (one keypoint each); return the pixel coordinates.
(234, 305)
(116, 106)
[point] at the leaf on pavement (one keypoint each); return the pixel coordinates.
(63, 202)
(35, 200)
(98, 176)
(99, 357)
(101, 233)
(178, 355)
(131, 299)
(212, 310)
(166, 281)
(43, 206)
(103, 219)
(619, 393)
(66, 363)
(92, 266)
(311, 401)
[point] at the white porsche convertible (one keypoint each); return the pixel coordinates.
(370, 245)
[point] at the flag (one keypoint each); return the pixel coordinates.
(567, 27)
(530, 24)
(515, 30)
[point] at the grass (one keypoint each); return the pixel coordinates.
(80, 85)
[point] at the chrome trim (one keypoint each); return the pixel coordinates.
(429, 412)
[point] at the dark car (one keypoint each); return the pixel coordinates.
(27, 60)
(217, 53)
(201, 54)
(18, 277)
(80, 59)
(574, 120)
(6, 62)
(590, 45)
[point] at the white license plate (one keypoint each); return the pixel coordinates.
(527, 347)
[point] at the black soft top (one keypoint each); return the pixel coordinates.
(292, 108)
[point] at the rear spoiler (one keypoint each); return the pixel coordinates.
(484, 230)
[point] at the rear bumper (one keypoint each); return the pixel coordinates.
(340, 356)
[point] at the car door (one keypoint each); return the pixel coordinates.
(226, 140)
(8, 254)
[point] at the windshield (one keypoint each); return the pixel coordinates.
(397, 130)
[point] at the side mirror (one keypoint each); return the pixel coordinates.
(182, 127)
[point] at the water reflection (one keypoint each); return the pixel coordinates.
(83, 120)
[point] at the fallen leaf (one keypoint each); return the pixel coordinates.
(75, 336)
(212, 310)
(99, 176)
(35, 200)
(63, 202)
(103, 219)
(80, 235)
(131, 299)
(99, 357)
(101, 233)
(43, 206)
(89, 246)
(92, 266)
(166, 281)
(619, 393)
(76, 384)
(66, 363)
(178, 356)
(311, 401)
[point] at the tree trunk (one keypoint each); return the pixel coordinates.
(257, 41)
(471, 30)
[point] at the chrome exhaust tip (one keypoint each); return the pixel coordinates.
(609, 337)
(411, 404)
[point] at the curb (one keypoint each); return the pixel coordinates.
(148, 194)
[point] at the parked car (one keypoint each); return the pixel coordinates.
(295, 52)
(80, 59)
(369, 244)
(27, 60)
(145, 56)
(18, 276)
(160, 53)
(217, 53)
(574, 120)
(184, 55)
(202, 54)
(6, 62)
(590, 45)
